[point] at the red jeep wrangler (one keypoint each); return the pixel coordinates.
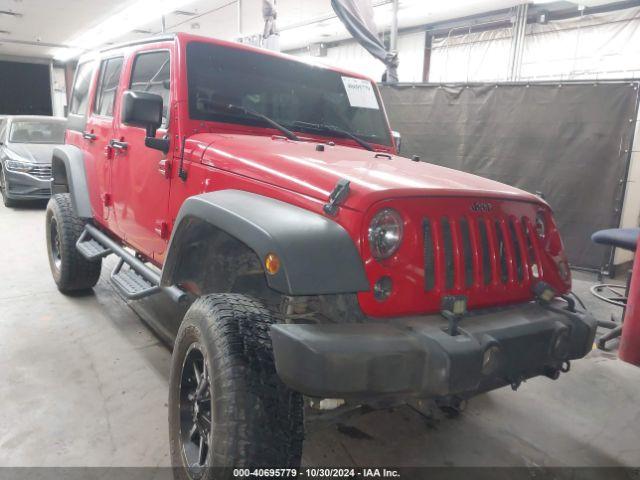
(266, 194)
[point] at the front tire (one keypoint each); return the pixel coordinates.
(70, 270)
(227, 406)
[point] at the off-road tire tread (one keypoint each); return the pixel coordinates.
(262, 419)
(76, 273)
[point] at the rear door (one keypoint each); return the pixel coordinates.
(140, 180)
(97, 134)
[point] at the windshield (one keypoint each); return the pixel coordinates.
(37, 132)
(289, 92)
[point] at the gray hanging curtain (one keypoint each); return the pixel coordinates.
(357, 17)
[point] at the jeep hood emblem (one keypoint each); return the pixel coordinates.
(481, 207)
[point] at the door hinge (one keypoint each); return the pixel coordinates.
(108, 152)
(163, 230)
(164, 167)
(107, 200)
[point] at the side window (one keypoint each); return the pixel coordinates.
(80, 92)
(151, 73)
(107, 86)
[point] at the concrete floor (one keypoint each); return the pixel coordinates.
(83, 382)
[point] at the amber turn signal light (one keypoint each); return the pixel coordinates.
(272, 263)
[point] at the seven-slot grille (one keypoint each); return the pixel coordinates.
(479, 252)
(43, 172)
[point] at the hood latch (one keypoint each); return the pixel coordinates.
(338, 196)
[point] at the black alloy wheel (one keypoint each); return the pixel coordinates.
(54, 234)
(195, 410)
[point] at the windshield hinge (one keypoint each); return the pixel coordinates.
(338, 196)
(182, 174)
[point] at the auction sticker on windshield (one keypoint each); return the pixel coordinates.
(360, 93)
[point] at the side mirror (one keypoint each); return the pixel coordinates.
(397, 139)
(142, 109)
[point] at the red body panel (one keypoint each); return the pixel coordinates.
(215, 156)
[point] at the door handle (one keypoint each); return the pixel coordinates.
(89, 136)
(118, 145)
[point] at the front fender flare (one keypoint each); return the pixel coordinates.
(68, 173)
(317, 254)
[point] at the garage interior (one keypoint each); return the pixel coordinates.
(541, 96)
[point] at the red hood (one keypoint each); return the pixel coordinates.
(299, 167)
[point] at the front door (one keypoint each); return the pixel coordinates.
(140, 181)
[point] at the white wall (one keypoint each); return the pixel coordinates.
(595, 46)
(600, 46)
(351, 56)
(472, 57)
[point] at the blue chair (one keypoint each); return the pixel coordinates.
(627, 239)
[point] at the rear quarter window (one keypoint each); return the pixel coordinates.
(80, 93)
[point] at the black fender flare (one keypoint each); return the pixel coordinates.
(317, 255)
(69, 176)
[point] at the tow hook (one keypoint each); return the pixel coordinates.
(453, 309)
(552, 373)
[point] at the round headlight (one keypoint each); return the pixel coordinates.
(385, 233)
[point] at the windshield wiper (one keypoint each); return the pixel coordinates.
(250, 113)
(321, 127)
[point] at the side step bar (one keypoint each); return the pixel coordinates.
(137, 281)
(130, 284)
(90, 248)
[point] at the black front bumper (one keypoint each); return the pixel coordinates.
(415, 357)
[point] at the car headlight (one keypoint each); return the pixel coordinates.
(16, 166)
(16, 163)
(385, 233)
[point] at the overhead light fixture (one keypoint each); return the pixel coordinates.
(140, 13)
